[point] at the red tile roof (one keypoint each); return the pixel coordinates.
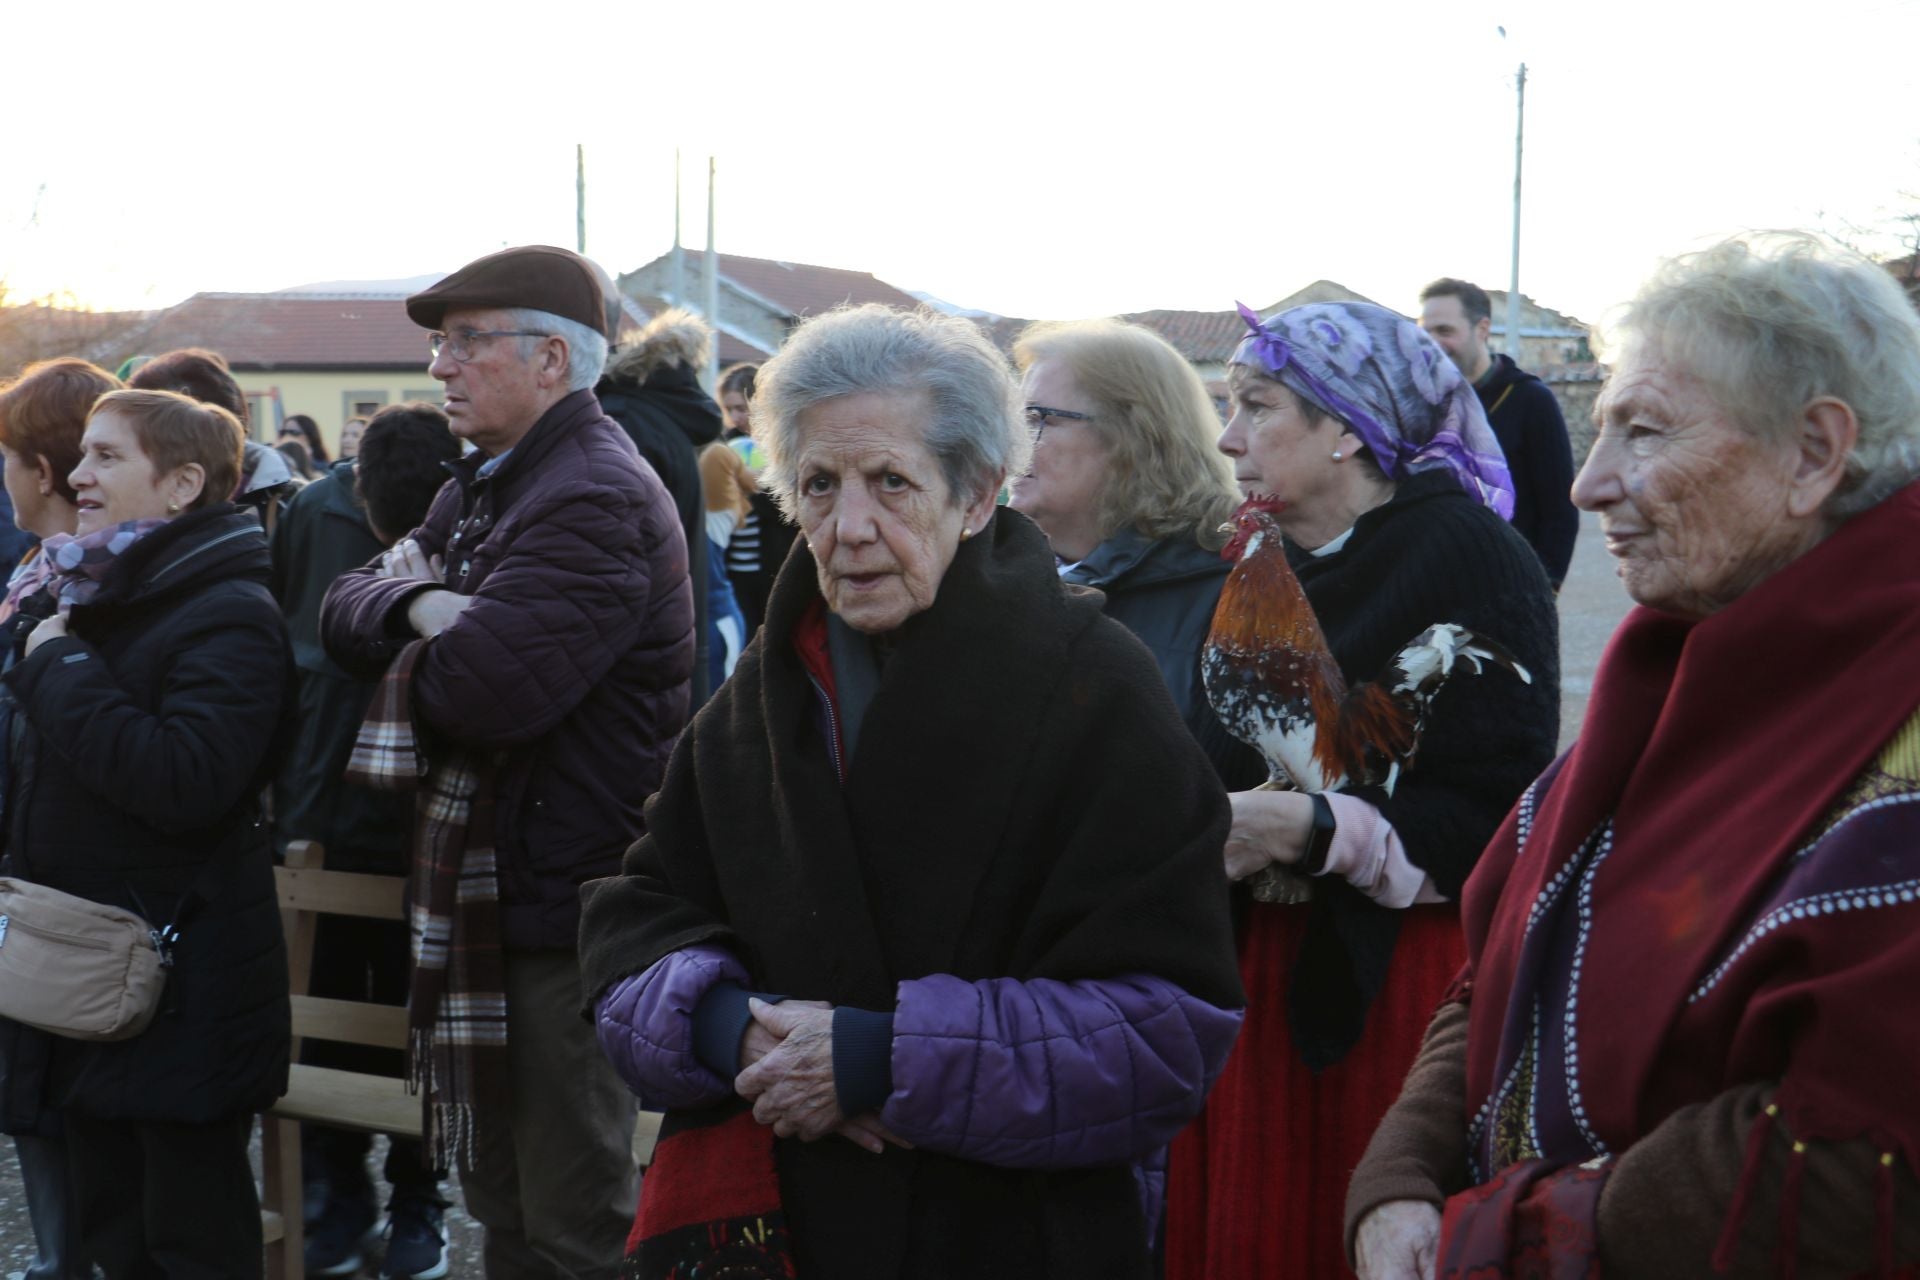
(293, 331)
(732, 349)
(1203, 337)
(800, 289)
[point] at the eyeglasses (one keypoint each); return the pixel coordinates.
(460, 345)
(1037, 415)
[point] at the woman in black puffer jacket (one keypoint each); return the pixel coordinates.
(147, 709)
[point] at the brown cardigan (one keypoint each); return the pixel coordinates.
(1667, 1197)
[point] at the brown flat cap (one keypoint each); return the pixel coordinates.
(535, 275)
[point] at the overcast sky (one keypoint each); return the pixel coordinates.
(1033, 159)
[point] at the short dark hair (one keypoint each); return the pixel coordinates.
(738, 379)
(196, 373)
(401, 468)
(1473, 299)
(175, 430)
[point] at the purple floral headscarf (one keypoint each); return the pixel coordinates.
(1379, 373)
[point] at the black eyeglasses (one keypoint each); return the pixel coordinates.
(460, 345)
(1037, 415)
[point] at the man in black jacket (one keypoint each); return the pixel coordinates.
(1524, 415)
(338, 523)
(651, 387)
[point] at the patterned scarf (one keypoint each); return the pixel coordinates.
(1383, 376)
(28, 576)
(457, 1003)
(75, 566)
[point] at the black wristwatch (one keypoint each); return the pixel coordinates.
(1314, 861)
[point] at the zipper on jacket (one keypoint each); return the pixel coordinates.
(833, 728)
(205, 546)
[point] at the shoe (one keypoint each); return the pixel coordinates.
(336, 1244)
(416, 1242)
(314, 1196)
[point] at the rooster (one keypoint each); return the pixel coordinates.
(1274, 684)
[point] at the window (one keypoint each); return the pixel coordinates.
(361, 404)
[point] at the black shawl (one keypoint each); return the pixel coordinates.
(1024, 802)
(1430, 555)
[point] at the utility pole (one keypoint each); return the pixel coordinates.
(1519, 150)
(679, 273)
(713, 289)
(580, 197)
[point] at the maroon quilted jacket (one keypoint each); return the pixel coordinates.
(573, 659)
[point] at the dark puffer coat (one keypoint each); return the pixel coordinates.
(1164, 590)
(323, 533)
(653, 391)
(573, 661)
(146, 737)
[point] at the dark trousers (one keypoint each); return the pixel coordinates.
(361, 960)
(56, 1231)
(172, 1201)
(364, 960)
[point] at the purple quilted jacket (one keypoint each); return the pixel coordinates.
(1037, 1075)
(573, 660)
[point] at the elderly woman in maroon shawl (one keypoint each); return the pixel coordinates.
(1687, 1037)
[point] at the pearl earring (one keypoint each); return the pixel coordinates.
(1337, 455)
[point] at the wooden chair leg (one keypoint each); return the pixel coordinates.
(284, 1195)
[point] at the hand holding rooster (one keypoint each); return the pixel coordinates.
(1275, 685)
(1268, 827)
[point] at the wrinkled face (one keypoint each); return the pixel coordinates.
(1276, 449)
(1693, 505)
(350, 439)
(1070, 460)
(494, 398)
(116, 480)
(1464, 341)
(734, 405)
(875, 508)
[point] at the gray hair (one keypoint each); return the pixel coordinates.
(1774, 320)
(586, 347)
(975, 432)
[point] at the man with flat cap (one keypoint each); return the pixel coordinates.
(549, 585)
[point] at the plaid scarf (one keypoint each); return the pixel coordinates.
(457, 1002)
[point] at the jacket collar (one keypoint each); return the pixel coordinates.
(338, 492)
(214, 542)
(674, 391)
(553, 426)
(1142, 561)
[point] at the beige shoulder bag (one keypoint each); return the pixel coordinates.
(77, 968)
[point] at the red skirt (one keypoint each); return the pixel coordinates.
(1257, 1186)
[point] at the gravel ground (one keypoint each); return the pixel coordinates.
(1591, 605)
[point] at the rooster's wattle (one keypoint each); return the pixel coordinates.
(1275, 685)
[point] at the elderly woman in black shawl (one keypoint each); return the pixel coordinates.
(947, 811)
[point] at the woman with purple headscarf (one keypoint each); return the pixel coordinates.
(1395, 494)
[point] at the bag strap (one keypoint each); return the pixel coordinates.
(209, 884)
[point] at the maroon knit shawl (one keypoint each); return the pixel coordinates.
(1716, 748)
